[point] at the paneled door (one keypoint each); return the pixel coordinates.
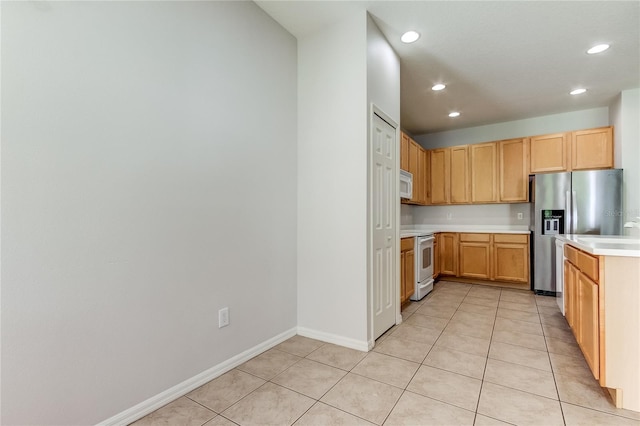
(384, 199)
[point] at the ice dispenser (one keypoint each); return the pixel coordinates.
(552, 222)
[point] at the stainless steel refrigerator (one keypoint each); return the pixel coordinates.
(585, 202)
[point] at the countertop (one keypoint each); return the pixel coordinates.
(413, 231)
(604, 245)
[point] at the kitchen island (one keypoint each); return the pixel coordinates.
(602, 307)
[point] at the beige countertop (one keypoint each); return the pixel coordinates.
(604, 245)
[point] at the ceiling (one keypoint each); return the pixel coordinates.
(500, 60)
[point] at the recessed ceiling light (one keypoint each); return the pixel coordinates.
(454, 114)
(410, 36)
(438, 86)
(597, 49)
(577, 91)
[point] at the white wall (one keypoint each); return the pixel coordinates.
(148, 179)
(624, 115)
(576, 120)
(479, 214)
(332, 182)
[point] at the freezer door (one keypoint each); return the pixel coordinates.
(551, 192)
(597, 202)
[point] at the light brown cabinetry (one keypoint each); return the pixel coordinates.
(407, 269)
(459, 175)
(513, 170)
(436, 256)
(440, 166)
(511, 257)
(448, 253)
(592, 149)
(413, 159)
(496, 257)
(549, 153)
(475, 256)
(484, 172)
(581, 276)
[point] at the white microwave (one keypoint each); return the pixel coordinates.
(406, 185)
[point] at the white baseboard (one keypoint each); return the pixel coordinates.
(140, 410)
(360, 345)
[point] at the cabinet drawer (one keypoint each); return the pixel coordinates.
(588, 265)
(571, 254)
(406, 244)
(481, 238)
(511, 238)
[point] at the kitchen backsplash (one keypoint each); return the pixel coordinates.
(483, 214)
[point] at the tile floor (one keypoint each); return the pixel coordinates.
(464, 355)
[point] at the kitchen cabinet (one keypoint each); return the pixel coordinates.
(424, 163)
(484, 172)
(404, 152)
(588, 332)
(513, 170)
(511, 257)
(413, 159)
(407, 269)
(592, 149)
(449, 253)
(602, 301)
(581, 275)
(440, 166)
(475, 256)
(459, 175)
(549, 153)
(436, 256)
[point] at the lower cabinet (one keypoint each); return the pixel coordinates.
(582, 304)
(588, 332)
(475, 256)
(449, 253)
(485, 256)
(407, 269)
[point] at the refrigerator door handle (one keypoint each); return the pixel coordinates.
(574, 212)
(568, 212)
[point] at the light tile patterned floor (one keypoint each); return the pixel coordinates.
(464, 355)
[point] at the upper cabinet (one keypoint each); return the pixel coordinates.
(498, 172)
(459, 175)
(549, 153)
(579, 150)
(484, 172)
(592, 149)
(413, 159)
(440, 167)
(513, 171)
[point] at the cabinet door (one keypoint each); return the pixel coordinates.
(404, 152)
(436, 257)
(513, 170)
(459, 175)
(419, 176)
(427, 176)
(592, 149)
(448, 253)
(403, 275)
(589, 340)
(409, 274)
(571, 296)
(440, 159)
(475, 260)
(413, 169)
(511, 262)
(484, 173)
(549, 153)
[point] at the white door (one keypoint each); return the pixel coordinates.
(383, 198)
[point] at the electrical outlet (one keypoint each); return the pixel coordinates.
(223, 317)
(449, 216)
(519, 216)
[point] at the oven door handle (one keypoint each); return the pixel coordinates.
(425, 239)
